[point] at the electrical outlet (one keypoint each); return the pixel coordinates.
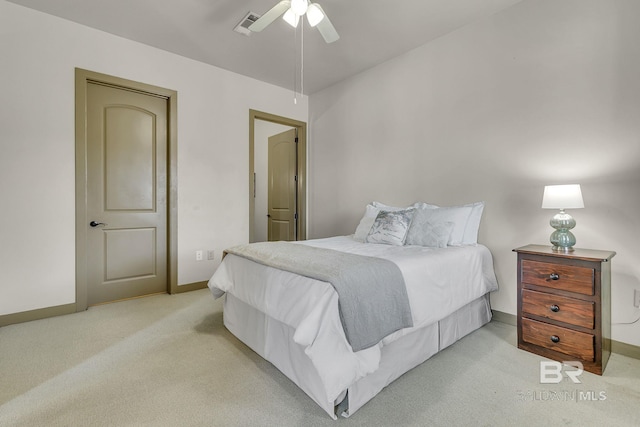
(198, 255)
(636, 298)
(211, 255)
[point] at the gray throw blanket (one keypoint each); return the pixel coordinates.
(372, 296)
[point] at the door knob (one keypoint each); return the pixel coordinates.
(95, 224)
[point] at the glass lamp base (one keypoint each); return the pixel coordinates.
(562, 239)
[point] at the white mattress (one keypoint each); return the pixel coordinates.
(439, 282)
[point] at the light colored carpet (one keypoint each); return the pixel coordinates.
(168, 361)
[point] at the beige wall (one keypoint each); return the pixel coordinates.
(546, 92)
(37, 178)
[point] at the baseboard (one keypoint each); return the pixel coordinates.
(41, 313)
(507, 318)
(617, 347)
(190, 287)
(625, 349)
(60, 310)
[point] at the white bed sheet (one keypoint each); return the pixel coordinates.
(438, 281)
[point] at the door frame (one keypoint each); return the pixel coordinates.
(301, 186)
(82, 79)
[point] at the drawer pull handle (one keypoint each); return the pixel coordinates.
(554, 308)
(555, 338)
(554, 276)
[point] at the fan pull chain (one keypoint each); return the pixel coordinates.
(301, 58)
(295, 66)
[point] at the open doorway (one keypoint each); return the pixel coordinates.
(262, 126)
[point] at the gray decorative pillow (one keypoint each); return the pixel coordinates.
(390, 227)
(458, 215)
(429, 234)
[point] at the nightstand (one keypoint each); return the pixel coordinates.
(564, 304)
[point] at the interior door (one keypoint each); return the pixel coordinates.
(282, 175)
(126, 193)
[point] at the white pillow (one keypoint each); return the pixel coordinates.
(390, 227)
(471, 230)
(458, 215)
(472, 224)
(366, 222)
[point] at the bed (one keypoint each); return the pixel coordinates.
(297, 321)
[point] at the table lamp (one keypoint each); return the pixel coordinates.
(562, 197)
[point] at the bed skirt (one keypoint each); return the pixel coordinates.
(273, 340)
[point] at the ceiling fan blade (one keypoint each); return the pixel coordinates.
(326, 28)
(270, 16)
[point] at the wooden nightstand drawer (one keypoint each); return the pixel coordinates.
(567, 341)
(563, 309)
(569, 278)
(564, 304)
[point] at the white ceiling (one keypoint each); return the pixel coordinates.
(371, 32)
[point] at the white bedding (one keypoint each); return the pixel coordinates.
(438, 281)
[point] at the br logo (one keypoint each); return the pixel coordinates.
(553, 372)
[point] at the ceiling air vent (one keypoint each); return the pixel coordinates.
(243, 26)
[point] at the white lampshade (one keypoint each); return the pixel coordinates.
(314, 14)
(299, 7)
(291, 18)
(562, 197)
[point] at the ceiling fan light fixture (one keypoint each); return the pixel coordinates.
(314, 14)
(291, 18)
(291, 11)
(299, 7)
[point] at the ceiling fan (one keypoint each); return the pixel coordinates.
(292, 11)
